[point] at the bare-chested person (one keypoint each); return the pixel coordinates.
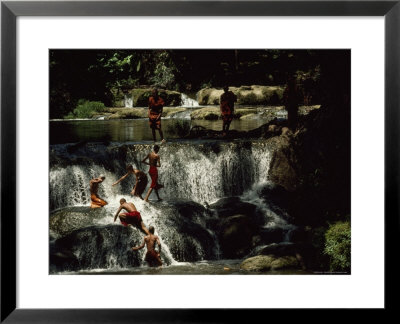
(154, 162)
(97, 202)
(152, 256)
(156, 104)
(141, 181)
(131, 217)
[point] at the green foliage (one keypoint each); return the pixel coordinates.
(164, 71)
(86, 109)
(179, 127)
(338, 246)
(94, 74)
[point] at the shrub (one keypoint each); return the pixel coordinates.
(179, 127)
(338, 246)
(86, 109)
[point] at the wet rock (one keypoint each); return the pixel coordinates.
(66, 220)
(286, 131)
(282, 249)
(274, 129)
(227, 207)
(184, 228)
(235, 235)
(282, 169)
(188, 241)
(262, 263)
(97, 247)
(271, 235)
(62, 259)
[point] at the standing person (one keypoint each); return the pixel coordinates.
(227, 102)
(156, 104)
(154, 162)
(131, 217)
(97, 202)
(152, 256)
(141, 181)
(291, 100)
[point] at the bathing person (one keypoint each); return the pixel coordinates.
(154, 162)
(131, 217)
(227, 102)
(156, 104)
(97, 202)
(141, 181)
(152, 256)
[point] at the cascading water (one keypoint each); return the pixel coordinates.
(194, 176)
(201, 173)
(188, 102)
(128, 100)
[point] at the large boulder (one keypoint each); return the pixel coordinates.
(184, 228)
(96, 247)
(237, 224)
(236, 236)
(66, 220)
(282, 170)
(262, 263)
(246, 95)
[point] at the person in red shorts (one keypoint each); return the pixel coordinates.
(141, 181)
(154, 162)
(152, 256)
(156, 104)
(131, 217)
(227, 102)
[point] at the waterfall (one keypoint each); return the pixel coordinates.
(200, 173)
(188, 102)
(128, 100)
(194, 176)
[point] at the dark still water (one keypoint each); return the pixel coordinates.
(131, 130)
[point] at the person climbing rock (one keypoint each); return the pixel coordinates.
(131, 217)
(141, 181)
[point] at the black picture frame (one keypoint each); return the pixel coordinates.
(10, 10)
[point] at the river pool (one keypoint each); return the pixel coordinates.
(131, 130)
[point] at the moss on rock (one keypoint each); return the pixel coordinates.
(262, 263)
(126, 113)
(247, 95)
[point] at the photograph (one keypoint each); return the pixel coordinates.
(199, 161)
